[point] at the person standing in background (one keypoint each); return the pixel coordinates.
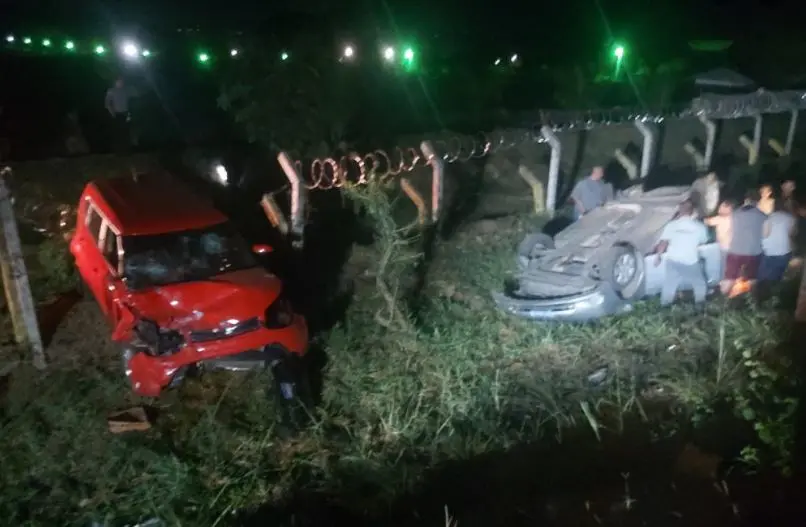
(788, 196)
(766, 203)
(117, 102)
(744, 253)
(779, 231)
(590, 193)
(722, 225)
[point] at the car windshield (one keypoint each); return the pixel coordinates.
(184, 256)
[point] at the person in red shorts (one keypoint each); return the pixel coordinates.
(745, 249)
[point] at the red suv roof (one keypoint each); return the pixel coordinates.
(153, 204)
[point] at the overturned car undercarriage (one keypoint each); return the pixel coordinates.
(598, 265)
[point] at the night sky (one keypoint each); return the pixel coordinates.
(560, 19)
(563, 28)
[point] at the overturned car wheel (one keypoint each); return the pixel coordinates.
(532, 247)
(624, 271)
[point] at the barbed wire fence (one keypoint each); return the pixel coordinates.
(543, 126)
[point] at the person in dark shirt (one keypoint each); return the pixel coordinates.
(590, 193)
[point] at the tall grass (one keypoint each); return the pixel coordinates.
(465, 381)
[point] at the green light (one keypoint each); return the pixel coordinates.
(27, 40)
(408, 62)
(46, 42)
(283, 56)
(146, 53)
(69, 45)
(204, 58)
(100, 50)
(619, 52)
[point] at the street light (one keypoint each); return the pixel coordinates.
(130, 50)
(389, 53)
(348, 52)
(619, 53)
(46, 42)
(69, 45)
(233, 52)
(10, 39)
(284, 56)
(100, 50)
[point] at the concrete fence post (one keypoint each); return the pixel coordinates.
(790, 136)
(648, 150)
(15, 279)
(554, 167)
(298, 197)
(437, 179)
(753, 146)
(710, 142)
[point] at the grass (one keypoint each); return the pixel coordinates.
(467, 381)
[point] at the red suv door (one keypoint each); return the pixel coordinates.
(86, 249)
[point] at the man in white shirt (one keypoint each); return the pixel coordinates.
(680, 242)
(779, 231)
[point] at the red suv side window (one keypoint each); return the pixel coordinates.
(94, 222)
(110, 248)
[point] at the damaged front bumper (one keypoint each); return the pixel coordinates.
(581, 307)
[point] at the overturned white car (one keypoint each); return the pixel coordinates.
(598, 265)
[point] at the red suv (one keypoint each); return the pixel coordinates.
(180, 287)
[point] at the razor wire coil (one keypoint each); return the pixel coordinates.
(379, 166)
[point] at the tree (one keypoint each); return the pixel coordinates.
(301, 103)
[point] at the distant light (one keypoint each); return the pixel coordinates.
(349, 52)
(69, 45)
(514, 57)
(408, 54)
(283, 56)
(203, 58)
(619, 52)
(233, 52)
(10, 38)
(497, 62)
(100, 50)
(46, 42)
(27, 40)
(221, 174)
(146, 53)
(130, 50)
(389, 53)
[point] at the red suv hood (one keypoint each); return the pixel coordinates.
(205, 304)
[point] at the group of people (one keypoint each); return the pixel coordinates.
(756, 237)
(756, 240)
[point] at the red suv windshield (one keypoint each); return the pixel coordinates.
(184, 256)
